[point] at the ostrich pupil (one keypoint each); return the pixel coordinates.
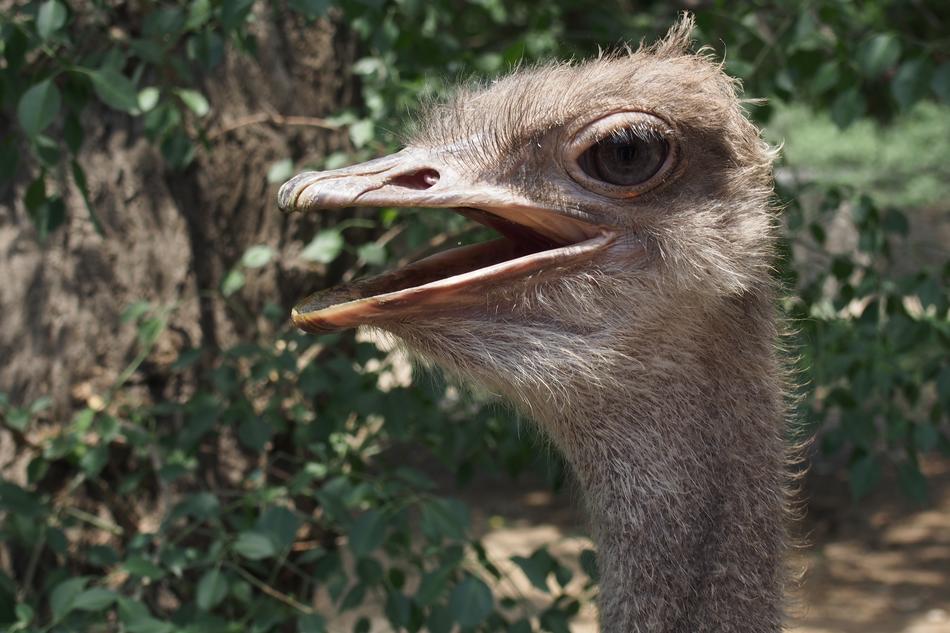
(625, 162)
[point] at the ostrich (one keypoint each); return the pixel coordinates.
(627, 308)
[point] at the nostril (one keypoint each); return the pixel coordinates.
(422, 179)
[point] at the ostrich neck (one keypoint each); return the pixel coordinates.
(685, 495)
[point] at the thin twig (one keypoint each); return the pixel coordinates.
(275, 119)
(32, 565)
(381, 241)
(95, 521)
(436, 241)
(274, 593)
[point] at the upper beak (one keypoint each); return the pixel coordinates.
(409, 178)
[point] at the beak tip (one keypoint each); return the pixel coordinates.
(289, 193)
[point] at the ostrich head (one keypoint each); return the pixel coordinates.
(629, 190)
(626, 307)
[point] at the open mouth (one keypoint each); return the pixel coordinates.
(533, 242)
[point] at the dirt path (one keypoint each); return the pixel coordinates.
(881, 566)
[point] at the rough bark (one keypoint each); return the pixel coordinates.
(169, 237)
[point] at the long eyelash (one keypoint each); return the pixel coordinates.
(634, 133)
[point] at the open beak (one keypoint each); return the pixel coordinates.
(535, 240)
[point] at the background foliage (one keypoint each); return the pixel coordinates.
(325, 502)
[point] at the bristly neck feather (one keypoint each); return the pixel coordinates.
(675, 430)
(687, 511)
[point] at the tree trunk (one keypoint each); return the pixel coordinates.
(170, 237)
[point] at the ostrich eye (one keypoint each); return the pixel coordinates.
(626, 158)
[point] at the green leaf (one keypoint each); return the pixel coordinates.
(72, 132)
(807, 34)
(943, 385)
(864, 473)
(825, 78)
(562, 574)
(368, 66)
(198, 13)
(354, 597)
(47, 150)
(254, 545)
(212, 588)
(554, 621)
(149, 330)
(41, 404)
(9, 160)
(372, 254)
(95, 460)
(95, 599)
(233, 282)
(186, 359)
(324, 248)
(521, 626)
(177, 149)
(367, 533)
(143, 568)
(56, 539)
(440, 619)
(38, 107)
(148, 98)
(18, 419)
(362, 132)
(135, 311)
(397, 610)
(588, 561)
(878, 54)
(79, 177)
(926, 437)
(200, 506)
(163, 22)
(311, 623)
(206, 47)
(234, 12)
(137, 619)
(941, 82)
(280, 171)
(255, 433)
(24, 613)
(50, 18)
(911, 82)
(114, 89)
(537, 568)
(471, 602)
(150, 625)
(912, 482)
(433, 584)
(896, 222)
(63, 597)
(195, 101)
(257, 256)
(444, 518)
(280, 524)
(16, 500)
(102, 555)
(842, 267)
(848, 107)
(310, 8)
(369, 570)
